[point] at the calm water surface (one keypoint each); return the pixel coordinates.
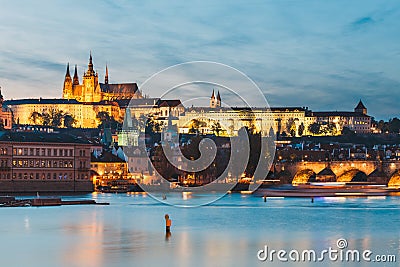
(229, 232)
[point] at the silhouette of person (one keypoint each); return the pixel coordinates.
(168, 223)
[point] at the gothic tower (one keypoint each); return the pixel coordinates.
(213, 101)
(218, 100)
(90, 82)
(76, 78)
(106, 77)
(67, 89)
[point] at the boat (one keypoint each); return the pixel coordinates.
(325, 190)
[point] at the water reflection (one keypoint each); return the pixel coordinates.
(131, 231)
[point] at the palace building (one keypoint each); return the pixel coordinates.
(92, 91)
(83, 101)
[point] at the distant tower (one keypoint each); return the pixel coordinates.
(106, 77)
(90, 82)
(360, 108)
(76, 78)
(67, 89)
(213, 101)
(218, 100)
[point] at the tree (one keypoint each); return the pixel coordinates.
(196, 125)
(56, 117)
(69, 121)
(46, 119)
(107, 121)
(301, 129)
(314, 128)
(394, 125)
(216, 127)
(36, 118)
(103, 117)
(291, 127)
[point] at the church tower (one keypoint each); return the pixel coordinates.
(360, 108)
(213, 101)
(90, 82)
(76, 78)
(67, 89)
(218, 100)
(106, 77)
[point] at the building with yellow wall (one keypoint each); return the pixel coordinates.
(83, 101)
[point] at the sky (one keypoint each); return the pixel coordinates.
(326, 55)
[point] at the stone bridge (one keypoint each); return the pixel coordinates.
(340, 171)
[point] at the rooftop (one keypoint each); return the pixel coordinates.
(41, 137)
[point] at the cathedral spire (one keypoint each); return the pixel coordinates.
(213, 95)
(106, 77)
(67, 73)
(218, 96)
(90, 70)
(76, 78)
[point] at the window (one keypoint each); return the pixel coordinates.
(54, 152)
(25, 151)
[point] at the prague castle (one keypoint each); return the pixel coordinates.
(83, 101)
(92, 91)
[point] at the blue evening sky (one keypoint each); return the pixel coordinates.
(322, 54)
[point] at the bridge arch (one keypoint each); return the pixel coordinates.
(395, 180)
(304, 176)
(353, 175)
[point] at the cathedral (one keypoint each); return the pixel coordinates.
(92, 91)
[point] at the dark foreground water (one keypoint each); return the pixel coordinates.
(229, 232)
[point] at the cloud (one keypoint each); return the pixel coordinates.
(315, 54)
(361, 22)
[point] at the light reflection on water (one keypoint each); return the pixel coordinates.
(229, 232)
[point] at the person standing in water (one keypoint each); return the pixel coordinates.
(168, 223)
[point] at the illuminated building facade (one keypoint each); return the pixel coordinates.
(37, 161)
(82, 101)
